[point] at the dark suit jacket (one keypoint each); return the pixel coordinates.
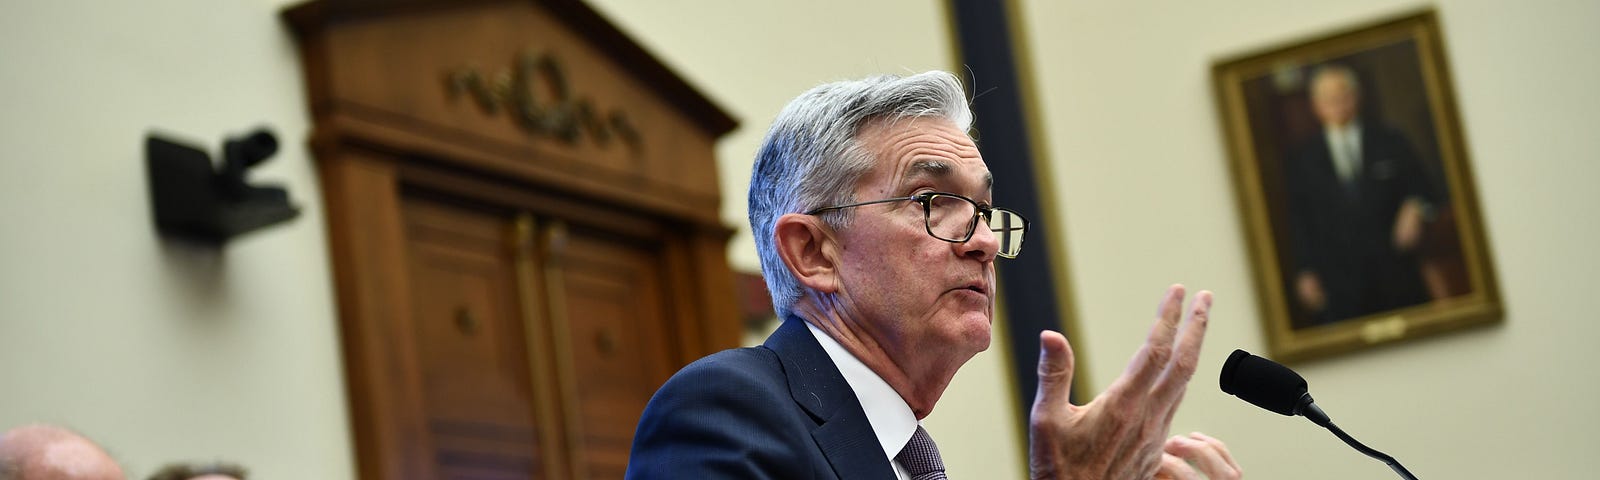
(1345, 233)
(779, 410)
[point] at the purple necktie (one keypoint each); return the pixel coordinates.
(920, 457)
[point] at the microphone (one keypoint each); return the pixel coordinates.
(1266, 384)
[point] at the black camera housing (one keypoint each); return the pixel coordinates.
(193, 200)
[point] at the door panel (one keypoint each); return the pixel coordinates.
(613, 325)
(534, 366)
(477, 382)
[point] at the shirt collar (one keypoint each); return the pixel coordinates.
(1352, 129)
(890, 416)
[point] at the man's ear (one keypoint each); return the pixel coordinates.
(808, 249)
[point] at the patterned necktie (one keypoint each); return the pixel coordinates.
(920, 457)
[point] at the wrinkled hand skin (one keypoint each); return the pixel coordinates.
(1120, 434)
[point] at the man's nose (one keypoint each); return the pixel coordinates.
(984, 244)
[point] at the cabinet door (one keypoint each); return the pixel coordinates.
(613, 344)
(472, 328)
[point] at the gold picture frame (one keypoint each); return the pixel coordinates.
(1356, 190)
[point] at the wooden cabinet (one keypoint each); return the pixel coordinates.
(523, 220)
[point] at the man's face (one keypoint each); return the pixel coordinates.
(1333, 98)
(924, 300)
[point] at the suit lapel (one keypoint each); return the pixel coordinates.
(843, 433)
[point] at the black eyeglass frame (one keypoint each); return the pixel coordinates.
(926, 199)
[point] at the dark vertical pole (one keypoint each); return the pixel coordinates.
(1026, 283)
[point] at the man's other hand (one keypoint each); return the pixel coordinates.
(1197, 456)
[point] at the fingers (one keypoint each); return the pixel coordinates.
(1153, 357)
(1175, 468)
(1208, 455)
(1055, 374)
(1220, 447)
(1185, 352)
(1048, 430)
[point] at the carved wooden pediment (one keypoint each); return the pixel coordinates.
(546, 91)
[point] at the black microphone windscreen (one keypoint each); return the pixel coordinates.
(1262, 382)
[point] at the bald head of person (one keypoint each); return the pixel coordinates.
(186, 471)
(45, 452)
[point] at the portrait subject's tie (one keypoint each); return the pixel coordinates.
(920, 457)
(1352, 167)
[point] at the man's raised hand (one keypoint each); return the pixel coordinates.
(1121, 434)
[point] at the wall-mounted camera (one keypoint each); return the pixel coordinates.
(194, 200)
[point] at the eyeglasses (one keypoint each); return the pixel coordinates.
(953, 218)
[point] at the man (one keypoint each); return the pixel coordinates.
(44, 452)
(870, 207)
(1358, 198)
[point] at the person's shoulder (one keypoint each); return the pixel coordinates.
(722, 385)
(1382, 131)
(1388, 142)
(728, 415)
(739, 369)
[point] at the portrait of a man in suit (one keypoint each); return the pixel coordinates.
(1356, 189)
(1358, 199)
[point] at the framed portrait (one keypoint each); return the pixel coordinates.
(1356, 189)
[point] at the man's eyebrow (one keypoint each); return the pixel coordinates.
(939, 169)
(929, 168)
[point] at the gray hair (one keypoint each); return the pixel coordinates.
(811, 157)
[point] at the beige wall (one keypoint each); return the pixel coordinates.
(165, 352)
(159, 351)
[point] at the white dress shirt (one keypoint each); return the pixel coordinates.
(1345, 145)
(891, 418)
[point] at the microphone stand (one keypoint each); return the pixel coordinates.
(1312, 412)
